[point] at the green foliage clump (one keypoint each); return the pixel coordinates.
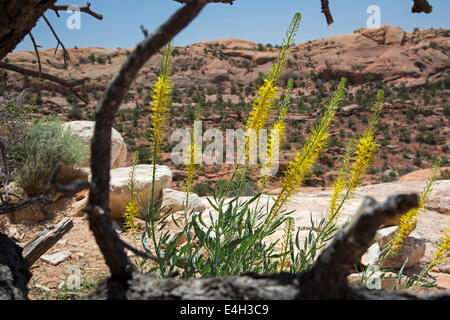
(202, 189)
(45, 144)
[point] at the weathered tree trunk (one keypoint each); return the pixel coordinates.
(14, 273)
(17, 18)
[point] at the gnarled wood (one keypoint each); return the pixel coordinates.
(45, 240)
(17, 18)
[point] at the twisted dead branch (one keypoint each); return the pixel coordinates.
(60, 43)
(66, 83)
(35, 46)
(421, 6)
(98, 210)
(85, 9)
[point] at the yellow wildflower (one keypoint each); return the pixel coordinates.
(366, 147)
(261, 106)
(267, 92)
(443, 248)
(286, 249)
(161, 99)
(340, 183)
(132, 207)
(303, 162)
(277, 133)
(192, 151)
(409, 220)
(131, 212)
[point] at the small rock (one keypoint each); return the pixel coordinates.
(435, 269)
(384, 235)
(81, 195)
(74, 277)
(56, 258)
(62, 242)
(371, 255)
(174, 201)
(43, 288)
(78, 207)
(178, 175)
(445, 268)
(412, 248)
(442, 280)
(15, 234)
(351, 109)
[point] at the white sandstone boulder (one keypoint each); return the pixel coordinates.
(119, 192)
(174, 201)
(85, 130)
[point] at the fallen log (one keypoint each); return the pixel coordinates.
(45, 240)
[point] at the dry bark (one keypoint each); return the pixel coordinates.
(84, 9)
(34, 249)
(421, 6)
(326, 11)
(17, 18)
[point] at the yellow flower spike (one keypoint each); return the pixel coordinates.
(192, 152)
(131, 212)
(442, 249)
(288, 235)
(366, 147)
(303, 162)
(408, 220)
(339, 185)
(161, 98)
(267, 92)
(279, 65)
(277, 133)
(365, 150)
(132, 208)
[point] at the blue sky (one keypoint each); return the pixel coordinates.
(262, 21)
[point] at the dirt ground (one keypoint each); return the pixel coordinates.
(49, 281)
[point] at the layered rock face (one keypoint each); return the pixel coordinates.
(385, 53)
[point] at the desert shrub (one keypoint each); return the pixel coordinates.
(202, 189)
(245, 188)
(14, 114)
(444, 175)
(44, 145)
